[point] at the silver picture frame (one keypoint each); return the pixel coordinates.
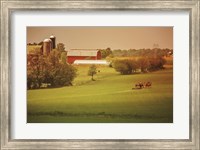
(8, 7)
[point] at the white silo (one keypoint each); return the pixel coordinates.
(47, 46)
(53, 39)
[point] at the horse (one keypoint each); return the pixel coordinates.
(148, 84)
(140, 85)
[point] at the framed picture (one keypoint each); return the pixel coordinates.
(100, 75)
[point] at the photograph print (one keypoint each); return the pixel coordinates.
(99, 74)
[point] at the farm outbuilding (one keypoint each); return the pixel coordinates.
(53, 39)
(47, 46)
(83, 54)
(89, 62)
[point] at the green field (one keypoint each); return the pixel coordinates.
(33, 48)
(109, 99)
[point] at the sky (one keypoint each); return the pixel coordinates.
(104, 37)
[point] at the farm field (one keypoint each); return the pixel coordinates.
(32, 48)
(109, 99)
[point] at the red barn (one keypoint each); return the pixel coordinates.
(83, 54)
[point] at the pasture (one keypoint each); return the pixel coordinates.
(109, 99)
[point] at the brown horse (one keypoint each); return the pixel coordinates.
(148, 84)
(140, 85)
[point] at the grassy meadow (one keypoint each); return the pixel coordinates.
(109, 99)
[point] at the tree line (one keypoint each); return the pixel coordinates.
(142, 52)
(136, 52)
(143, 64)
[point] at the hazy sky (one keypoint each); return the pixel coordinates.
(103, 37)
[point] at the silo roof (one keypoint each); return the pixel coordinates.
(52, 36)
(47, 40)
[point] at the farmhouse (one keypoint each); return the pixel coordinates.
(82, 54)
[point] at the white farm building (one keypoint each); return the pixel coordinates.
(95, 62)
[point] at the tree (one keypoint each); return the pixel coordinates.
(54, 57)
(126, 66)
(103, 53)
(35, 71)
(106, 52)
(48, 70)
(64, 57)
(143, 64)
(133, 64)
(59, 73)
(60, 47)
(121, 66)
(62, 75)
(92, 71)
(156, 63)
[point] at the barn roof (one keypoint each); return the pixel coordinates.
(82, 52)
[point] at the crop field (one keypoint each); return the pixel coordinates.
(108, 99)
(32, 48)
